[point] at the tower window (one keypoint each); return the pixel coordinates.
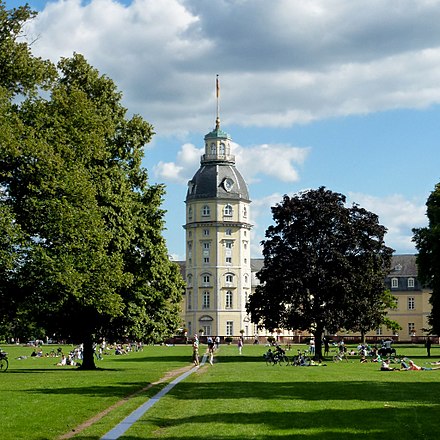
(227, 211)
(206, 211)
(213, 149)
(229, 278)
(228, 231)
(190, 212)
(228, 244)
(205, 232)
(244, 211)
(228, 300)
(222, 148)
(206, 279)
(229, 260)
(206, 245)
(188, 304)
(206, 300)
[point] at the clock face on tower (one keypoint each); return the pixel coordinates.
(228, 184)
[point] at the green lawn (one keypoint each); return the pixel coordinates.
(239, 397)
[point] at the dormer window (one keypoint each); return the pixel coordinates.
(398, 267)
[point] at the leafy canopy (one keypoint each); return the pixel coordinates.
(82, 253)
(427, 242)
(324, 265)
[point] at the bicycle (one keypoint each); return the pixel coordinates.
(339, 356)
(4, 363)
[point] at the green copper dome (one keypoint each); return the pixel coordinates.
(217, 133)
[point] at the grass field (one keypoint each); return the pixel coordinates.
(239, 397)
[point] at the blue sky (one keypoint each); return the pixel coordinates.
(331, 93)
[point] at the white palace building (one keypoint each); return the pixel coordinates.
(219, 272)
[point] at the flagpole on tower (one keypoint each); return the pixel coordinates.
(217, 93)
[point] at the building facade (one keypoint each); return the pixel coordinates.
(217, 228)
(413, 307)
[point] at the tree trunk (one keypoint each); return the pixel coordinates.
(318, 342)
(363, 337)
(88, 362)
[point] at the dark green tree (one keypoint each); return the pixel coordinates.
(321, 260)
(427, 242)
(93, 259)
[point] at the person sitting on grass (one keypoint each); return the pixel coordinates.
(385, 366)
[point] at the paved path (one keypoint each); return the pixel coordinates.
(123, 426)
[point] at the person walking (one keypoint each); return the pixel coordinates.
(240, 344)
(196, 351)
(428, 346)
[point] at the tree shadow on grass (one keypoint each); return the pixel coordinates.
(315, 424)
(422, 393)
(328, 424)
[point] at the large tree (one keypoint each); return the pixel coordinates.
(427, 242)
(324, 263)
(93, 259)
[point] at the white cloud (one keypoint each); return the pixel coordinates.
(398, 214)
(280, 63)
(275, 161)
(183, 169)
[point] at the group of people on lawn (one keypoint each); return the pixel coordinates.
(213, 344)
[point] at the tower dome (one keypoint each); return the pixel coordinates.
(217, 176)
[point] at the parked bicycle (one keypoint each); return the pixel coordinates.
(275, 358)
(340, 355)
(4, 363)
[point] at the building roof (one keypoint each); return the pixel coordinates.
(208, 181)
(403, 266)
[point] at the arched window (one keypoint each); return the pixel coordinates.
(222, 148)
(229, 278)
(228, 300)
(189, 280)
(227, 211)
(206, 279)
(213, 149)
(244, 211)
(190, 212)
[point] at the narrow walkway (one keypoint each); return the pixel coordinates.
(123, 426)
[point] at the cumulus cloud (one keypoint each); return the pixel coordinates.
(276, 161)
(398, 214)
(280, 62)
